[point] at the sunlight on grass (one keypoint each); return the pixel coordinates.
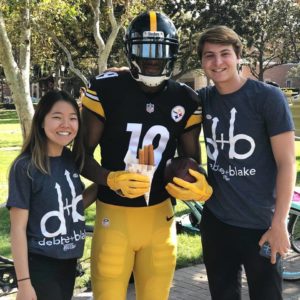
(189, 250)
(10, 136)
(6, 158)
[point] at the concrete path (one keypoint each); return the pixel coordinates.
(191, 284)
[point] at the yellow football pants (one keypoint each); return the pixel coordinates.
(138, 239)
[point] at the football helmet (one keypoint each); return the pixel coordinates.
(151, 46)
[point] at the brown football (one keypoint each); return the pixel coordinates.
(179, 167)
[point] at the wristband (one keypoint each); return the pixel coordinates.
(22, 279)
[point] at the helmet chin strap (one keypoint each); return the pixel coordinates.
(150, 81)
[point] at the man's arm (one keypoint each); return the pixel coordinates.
(92, 129)
(89, 195)
(189, 145)
(283, 147)
(130, 185)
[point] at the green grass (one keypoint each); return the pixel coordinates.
(6, 159)
(4, 233)
(10, 130)
(189, 250)
(8, 116)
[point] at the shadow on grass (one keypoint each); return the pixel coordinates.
(8, 116)
(9, 121)
(298, 179)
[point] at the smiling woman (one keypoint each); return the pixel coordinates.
(60, 126)
(44, 183)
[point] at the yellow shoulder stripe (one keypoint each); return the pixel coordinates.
(94, 106)
(193, 120)
(92, 92)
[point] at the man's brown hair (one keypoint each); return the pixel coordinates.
(220, 35)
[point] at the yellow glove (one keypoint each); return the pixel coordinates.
(126, 184)
(199, 190)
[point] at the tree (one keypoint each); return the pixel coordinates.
(268, 28)
(294, 73)
(17, 69)
(192, 17)
(18, 17)
(269, 40)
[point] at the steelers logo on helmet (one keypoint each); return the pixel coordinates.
(151, 47)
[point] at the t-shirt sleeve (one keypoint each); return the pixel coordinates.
(278, 115)
(19, 189)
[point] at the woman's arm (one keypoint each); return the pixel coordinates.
(19, 220)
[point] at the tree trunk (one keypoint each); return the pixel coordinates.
(18, 76)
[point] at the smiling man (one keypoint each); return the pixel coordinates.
(249, 136)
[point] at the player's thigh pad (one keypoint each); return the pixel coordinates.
(155, 263)
(111, 258)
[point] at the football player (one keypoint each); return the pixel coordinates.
(123, 112)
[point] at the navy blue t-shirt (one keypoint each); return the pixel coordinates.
(241, 166)
(56, 219)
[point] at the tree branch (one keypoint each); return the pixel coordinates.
(72, 68)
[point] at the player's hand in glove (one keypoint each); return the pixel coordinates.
(126, 184)
(199, 190)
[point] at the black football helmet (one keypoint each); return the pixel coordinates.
(151, 46)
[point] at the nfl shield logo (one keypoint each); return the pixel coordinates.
(150, 108)
(177, 113)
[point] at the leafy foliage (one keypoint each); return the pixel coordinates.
(268, 28)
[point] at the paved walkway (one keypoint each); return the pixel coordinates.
(191, 284)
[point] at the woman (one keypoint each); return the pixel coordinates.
(45, 201)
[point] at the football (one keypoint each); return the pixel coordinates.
(179, 167)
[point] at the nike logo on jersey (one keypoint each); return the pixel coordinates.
(169, 218)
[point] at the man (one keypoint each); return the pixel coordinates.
(124, 112)
(249, 137)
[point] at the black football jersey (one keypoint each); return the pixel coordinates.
(133, 119)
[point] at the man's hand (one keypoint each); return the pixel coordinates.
(199, 190)
(130, 185)
(278, 238)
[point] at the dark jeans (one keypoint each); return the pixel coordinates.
(52, 279)
(225, 249)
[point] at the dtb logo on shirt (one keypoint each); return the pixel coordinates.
(59, 214)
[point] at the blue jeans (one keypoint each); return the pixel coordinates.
(226, 249)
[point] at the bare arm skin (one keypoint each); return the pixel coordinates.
(19, 219)
(284, 152)
(93, 128)
(189, 145)
(90, 195)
